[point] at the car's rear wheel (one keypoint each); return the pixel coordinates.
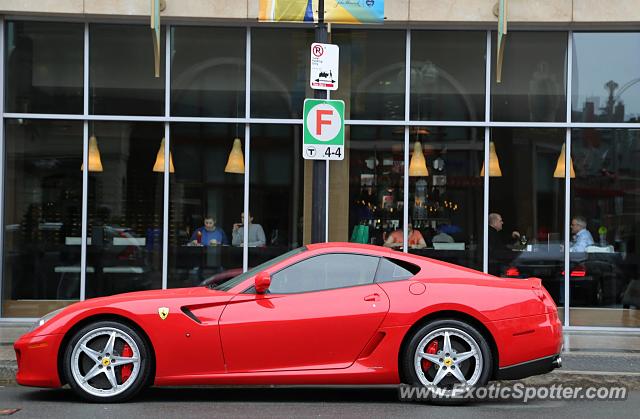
(447, 356)
(107, 361)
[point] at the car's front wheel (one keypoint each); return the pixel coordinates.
(107, 361)
(447, 356)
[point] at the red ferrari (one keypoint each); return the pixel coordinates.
(334, 313)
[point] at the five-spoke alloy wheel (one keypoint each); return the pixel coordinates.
(107, 362)
(447, 355)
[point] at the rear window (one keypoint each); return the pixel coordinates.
(395, 270)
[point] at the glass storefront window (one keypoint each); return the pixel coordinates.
(447, 75)
(208, 71)
(279, 76)
(275, 193)
(125, 205)
(446, 193)
(372, 81)
(122, 71)
(605, 78)
(42, 216)
(205, 200)
(526, 206)
(605, 210)
(376, 185)
(533, 86)
(44, 67)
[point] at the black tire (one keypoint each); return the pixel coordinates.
(478, 368)
(95, 336)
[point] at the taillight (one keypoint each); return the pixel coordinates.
(577, 272)
(512, 271)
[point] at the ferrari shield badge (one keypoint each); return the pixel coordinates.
(163, 312)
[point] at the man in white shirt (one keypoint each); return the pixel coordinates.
(581, 236)
(256, 233)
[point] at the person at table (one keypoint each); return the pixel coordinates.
(209, 234)
(442, 236)
(415, 241)
(497, 241)
(256, 238)
(581, 236)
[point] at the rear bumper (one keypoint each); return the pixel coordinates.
(527, 369)
(37, 358)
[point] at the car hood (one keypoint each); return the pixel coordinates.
(131, 305)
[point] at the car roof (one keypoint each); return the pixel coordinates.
(349, 246)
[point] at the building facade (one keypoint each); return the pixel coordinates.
(109, 172)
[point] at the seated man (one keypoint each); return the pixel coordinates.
(581, 236)
(256, 233)
(209, 234)
(416, 241)
(442, 236)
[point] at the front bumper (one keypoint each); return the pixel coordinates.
(37, 358)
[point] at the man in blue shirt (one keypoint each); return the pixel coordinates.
(208, 235)
(581, 236)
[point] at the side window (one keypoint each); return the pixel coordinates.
(395, 270)
(334, 270)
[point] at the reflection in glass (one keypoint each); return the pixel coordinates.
(44, 67)
(376, 182)
(526, 206)
(42, 215)
(208, 71)
(122, 71)
(125, 204)
(447, 75)
(205, 201)
(275, 194)
(279, 76)
(605, 272)
(372, 80)
(533, 86)
(606, 86)
(445, 202)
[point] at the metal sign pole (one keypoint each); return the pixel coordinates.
(319, 204)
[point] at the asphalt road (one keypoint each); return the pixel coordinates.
(292, 402)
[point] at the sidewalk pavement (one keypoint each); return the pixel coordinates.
(589, 358)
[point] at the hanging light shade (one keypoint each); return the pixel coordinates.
(159, 164)
(418, 165)
(95, 162)
(494, 164)
(560, 167)
(235, 164)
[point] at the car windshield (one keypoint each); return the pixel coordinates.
(226, 286)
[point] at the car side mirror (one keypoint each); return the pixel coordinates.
(262, 282)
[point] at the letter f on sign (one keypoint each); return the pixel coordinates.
(319, 121)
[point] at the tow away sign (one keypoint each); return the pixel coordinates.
(324, 66)
(323, 126)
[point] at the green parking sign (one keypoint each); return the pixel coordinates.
(323, 126)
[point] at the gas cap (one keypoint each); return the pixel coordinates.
(417, 288)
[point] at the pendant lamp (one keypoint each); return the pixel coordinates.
(560, 166)
(494, 164)
(95, 162)
(418, 164)
(235, 163)
(159, 164)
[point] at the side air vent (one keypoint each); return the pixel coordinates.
(190, 314)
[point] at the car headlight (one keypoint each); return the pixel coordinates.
(45, 319)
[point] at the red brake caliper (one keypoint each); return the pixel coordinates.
(127, 352)
(432, 348)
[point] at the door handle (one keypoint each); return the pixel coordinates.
(372, 297)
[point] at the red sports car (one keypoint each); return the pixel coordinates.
(334, 313)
